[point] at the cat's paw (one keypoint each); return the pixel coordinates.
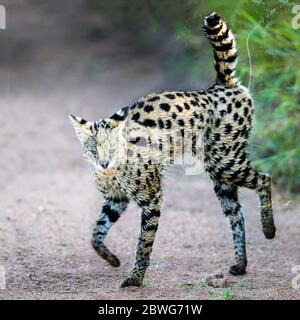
(132, 281)
(237, 270)
(113, 260)
(269, 231)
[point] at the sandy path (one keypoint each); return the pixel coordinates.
(48, 201)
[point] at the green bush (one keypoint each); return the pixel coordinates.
(262, 27)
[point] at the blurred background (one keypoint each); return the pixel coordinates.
(90, 58)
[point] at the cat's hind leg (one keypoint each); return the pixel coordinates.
(228, 197)
(261, 183)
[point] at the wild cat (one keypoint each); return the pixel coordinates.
(130, 150)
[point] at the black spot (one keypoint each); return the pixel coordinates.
(246, 110)
(168, 124)
(180, 122)
(135, 116)
(82, 121)
(211, 112)
(238, 104)
(178, 94)
(217, 123)
(154, 213)
(227, 212)
(228, 128)
(194, 144)
(217, 189)
(229, 108)
(223, 47)
(165, 106)
(140, 104)
(149, 123)
(148, 108)
(160, 124)
(137, 182)
(104, 124)
(113, 215)
(241, 121)
(155, 98)
(138, 172)
(174, 115)
(186, 105)
(150, 227)
(222, 99)
(192, 122)
(235, 116)
(228, 71)
(179, 108)
(170, 96)
(222, 147)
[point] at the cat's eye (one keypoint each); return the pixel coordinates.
(94, 152)
(112, 150)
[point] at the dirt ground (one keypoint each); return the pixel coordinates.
(48, 200)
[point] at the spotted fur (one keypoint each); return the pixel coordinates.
(130, 150)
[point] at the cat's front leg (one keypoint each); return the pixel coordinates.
(113, 207)
(149, 226)
(150, 201)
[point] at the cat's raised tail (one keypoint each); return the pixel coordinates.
(225, 49)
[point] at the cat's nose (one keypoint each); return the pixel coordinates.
(104, 164)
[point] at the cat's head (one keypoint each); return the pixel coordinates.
(102, 141)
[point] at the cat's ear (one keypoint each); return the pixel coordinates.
(84, 129)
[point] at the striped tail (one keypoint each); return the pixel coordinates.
(225, 50)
